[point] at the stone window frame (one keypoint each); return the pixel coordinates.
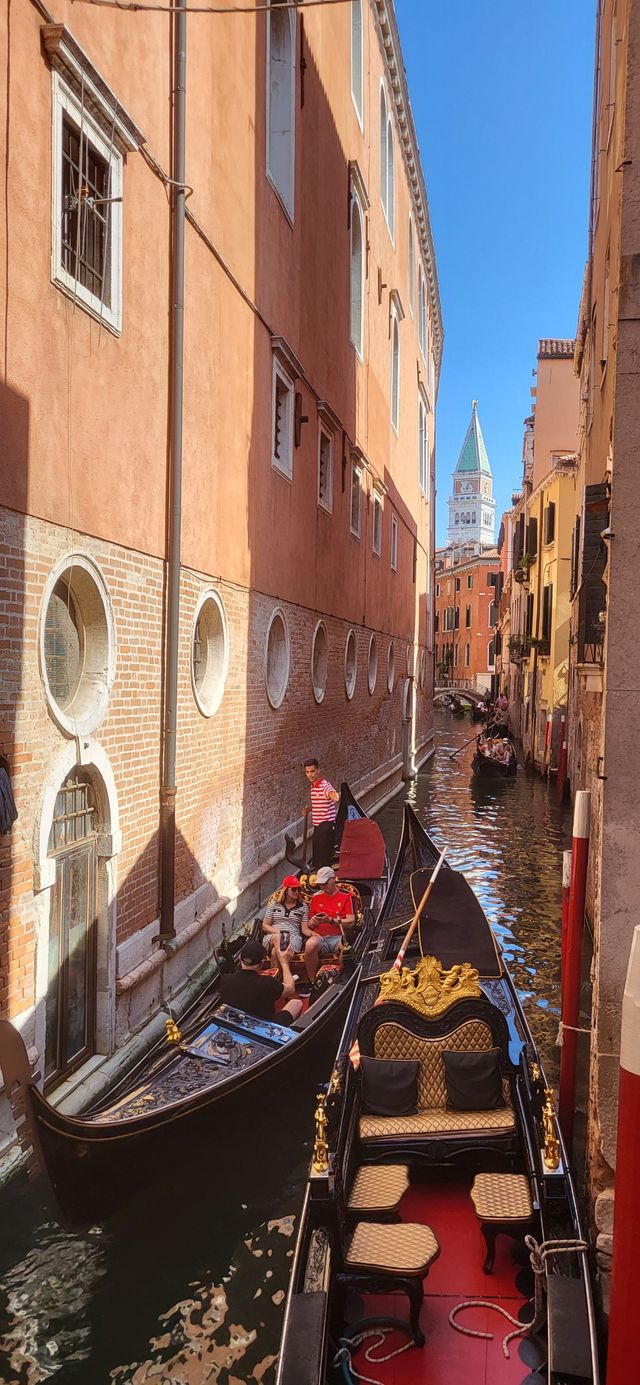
(373, 653)
(319, 689)
(350, 686)
(275, 699)
(87, 721)
(209, 705)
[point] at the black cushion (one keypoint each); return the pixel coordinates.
(389, 1086)
(474, 1080)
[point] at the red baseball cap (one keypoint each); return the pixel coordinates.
(291, 882)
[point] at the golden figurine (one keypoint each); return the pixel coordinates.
(320, 1161)
(551, 1142)
(430, 990)
(173, 1033)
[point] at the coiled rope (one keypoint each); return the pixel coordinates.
(378, 1329)
(538, 1255)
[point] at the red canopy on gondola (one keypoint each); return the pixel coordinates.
(362, 851)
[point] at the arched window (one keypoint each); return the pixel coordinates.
(395, 373)
(391, 180)
(473, 519)
(383, 149)
(491, 657)
(412, 267)
(357, 59)
(281, 50)
(357, 275)
(457, 519)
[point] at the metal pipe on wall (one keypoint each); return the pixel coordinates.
(168, 786)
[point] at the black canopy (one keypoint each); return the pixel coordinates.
(454, 927)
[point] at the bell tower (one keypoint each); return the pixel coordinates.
(472, 508)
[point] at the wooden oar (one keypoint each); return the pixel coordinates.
(397, 966)
(463, 747)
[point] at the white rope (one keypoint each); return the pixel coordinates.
(574, 1029)
(538, 1255)
(379, 1333)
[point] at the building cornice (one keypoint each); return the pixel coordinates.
(390, 38)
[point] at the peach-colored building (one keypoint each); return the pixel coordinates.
(313, 338)
(467, 593)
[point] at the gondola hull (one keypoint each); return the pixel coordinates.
(95, 1161)
(487, 768)
(441, 1166)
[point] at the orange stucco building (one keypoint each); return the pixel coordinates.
(313, 338)
(467, 585)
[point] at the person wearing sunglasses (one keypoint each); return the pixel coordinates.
(287, 913)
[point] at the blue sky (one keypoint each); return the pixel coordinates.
(501, 96)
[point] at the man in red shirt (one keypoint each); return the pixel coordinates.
(330, 912)
(324, 809)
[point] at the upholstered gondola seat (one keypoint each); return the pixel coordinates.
(503, 1205)
(380, 1258)
(378, 1188)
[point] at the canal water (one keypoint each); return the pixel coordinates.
(186, 1285)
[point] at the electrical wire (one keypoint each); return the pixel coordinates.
(139, 5)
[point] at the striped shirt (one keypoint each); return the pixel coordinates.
(322, 807)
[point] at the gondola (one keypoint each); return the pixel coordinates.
(221, 1065)
(421, 1203)
(488, 768)
(478, 714)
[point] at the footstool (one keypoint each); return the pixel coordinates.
(378, 1189)
(503, 1204)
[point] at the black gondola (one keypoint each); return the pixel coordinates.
(372, 1174)
(223, 1062)
(487, 767)
(478, 713)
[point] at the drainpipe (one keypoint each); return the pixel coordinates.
(176, 348)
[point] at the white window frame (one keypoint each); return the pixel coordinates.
(412, 266)
(422, 313)
(65, 102)
(394, 543)
(424, 449)
(383, 117)
(357, 338)
(357, 97)
(377, 511)
(355, 469)
(394, 401)
(327, 502)
(286, 196)
(283, 468)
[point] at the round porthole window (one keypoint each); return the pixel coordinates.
(350, 665)
(277, 658)
(409, 660)
(391, 667)
(209, 653)
(77, 645)
(422, 667)
(372, 670)
(319, 661)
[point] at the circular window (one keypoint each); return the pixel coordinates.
(409, 660)
(319, 661)
(422, 667)
(209, 653)
(350, 665)
(391, 667)
(277, 658)
(372, 672)
(77, 645)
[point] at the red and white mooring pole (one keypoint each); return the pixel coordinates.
(566, 885)
(625, 1279)
(572, 962)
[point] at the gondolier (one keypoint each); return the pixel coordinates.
(324, 809)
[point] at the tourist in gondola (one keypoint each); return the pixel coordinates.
(248, 990)
(331, 911)
(324, 809)
(287, 914)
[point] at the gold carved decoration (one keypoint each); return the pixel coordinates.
(551, 1142)
(430, 990)
(173, 1033)
(320, 1160)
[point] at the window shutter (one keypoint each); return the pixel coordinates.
(532, 537)
(550, 522)
(592, 595)
(575, 554)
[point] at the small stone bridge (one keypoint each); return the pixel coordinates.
(469, 694)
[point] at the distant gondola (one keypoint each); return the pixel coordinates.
(226, 1063)
(488, 768)
(402, 1185)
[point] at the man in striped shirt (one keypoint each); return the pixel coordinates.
(324, 808)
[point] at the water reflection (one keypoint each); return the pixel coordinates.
(187, 1284)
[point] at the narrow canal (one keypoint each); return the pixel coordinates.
(187, 1284)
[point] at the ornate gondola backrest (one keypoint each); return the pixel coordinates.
(395, 1031)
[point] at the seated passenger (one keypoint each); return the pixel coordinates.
(287, 913)
(331, 911)
(247, 990)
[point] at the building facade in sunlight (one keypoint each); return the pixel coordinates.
(467, 594)
(313, 338)
(533, 624)
(472, 508)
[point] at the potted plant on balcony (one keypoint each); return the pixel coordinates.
(521, 573)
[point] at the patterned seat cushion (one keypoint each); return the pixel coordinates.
(502, 1197)
(438, 1123)
(394, 1041)
(405, 1249)
(378, 1187)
